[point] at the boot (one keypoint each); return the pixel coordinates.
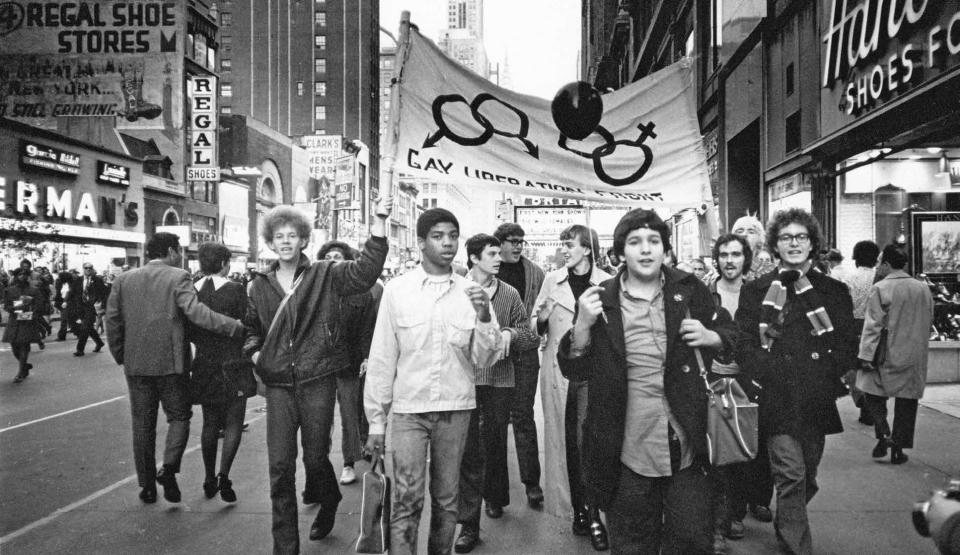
(598, 532)
(581, 522)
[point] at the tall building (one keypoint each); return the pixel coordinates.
(304, 67)
(466, 14)
(462, 40)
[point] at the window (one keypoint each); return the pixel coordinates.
(320, 41)
(320, 19)
(788, 85)
(320, 65)
(299, 88)
(225, 65)
(226, 89)
(792, 129)
(226, 110)
(387, 63)
(320, 88)
(319, 112)
(226, 43)
(226, 19)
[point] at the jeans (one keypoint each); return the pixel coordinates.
(574, 418)
(444, 434)
(350, 401)
(527, 372)
(483, 471)
(904, 419)
(309, 408)
(146, 392)
(793, 462)
(669, 515)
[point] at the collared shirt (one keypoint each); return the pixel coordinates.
(218, 281)
(646, 445)
(425, 346)
(859, 281)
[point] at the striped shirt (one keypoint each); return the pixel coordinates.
(512, 315)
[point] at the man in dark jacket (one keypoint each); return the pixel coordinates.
(297, 344)
(799, 340)
(644, 440)
(90, 291)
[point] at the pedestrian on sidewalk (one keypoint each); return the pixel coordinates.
(92, 290)
(21, 301)
(434, 327)
(297, 344)
(903, 307)
(860, 281)
(147, 315)
(221, 378)
(526, 277)
(565, 401)
(483, 471)
(644, 440)
(63, 299)
(799, 341)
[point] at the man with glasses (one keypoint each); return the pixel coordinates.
(92, 291)
(799, 340)
(526, 277)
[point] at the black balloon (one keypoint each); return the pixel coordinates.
(577, 109)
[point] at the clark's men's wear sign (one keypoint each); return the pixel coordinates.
(456, 126)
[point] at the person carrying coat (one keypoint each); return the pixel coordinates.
(903, 307)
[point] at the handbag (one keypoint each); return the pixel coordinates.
(374, 510)
(732, 419)
(238, 378)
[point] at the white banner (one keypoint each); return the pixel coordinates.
(455, 126)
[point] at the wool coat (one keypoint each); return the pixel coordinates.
(904, 307)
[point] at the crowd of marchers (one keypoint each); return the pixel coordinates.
(433, 367)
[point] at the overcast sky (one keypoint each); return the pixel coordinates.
(539, 38)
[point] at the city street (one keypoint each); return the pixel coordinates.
(68, 483)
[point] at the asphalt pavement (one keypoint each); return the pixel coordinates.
(67, 481)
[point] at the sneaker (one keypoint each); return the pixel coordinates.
(348, 476)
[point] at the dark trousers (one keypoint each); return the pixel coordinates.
(669, 515)
(306, 407)
(87, 328)
(904, 418)
(524, 393)
(21, 351)
(749, 483)
(483, 470)
(575, 415)
(146, 393)
(227, 416)
(64, 325)
(794, 461)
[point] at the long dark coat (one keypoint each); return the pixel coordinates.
(21, 331)
(801, 374)
(216, 352)
(604, 366)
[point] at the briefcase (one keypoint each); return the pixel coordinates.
(374, 510)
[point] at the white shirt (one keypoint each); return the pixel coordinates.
(425, 346)
(218, 282)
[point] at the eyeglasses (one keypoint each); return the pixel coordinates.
(88, 267)
(516, 242)
(800, 238)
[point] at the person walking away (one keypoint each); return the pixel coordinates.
(146, 320)
(799, 341)
(63, 287)
(483, 471)
(92, 291)
(358, 315)
(860, 282)
(565, 402)
(434, 327)
(644, 441)
(221, 378)
(296, 342)
(522, 274)
(903, 307)
(21, 301)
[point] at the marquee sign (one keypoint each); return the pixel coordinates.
(49, 158)
(202, 92)
(113, 174)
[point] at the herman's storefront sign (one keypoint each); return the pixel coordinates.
(35, 155)
(52, 203)
(876, 49)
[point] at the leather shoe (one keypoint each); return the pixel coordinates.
(226, 489)
(534, 496)
(468, 539)
(168, 479)
(880, 450)
(897, 456)
(98, 347)
(148, 494)
(210, 488)
(78, 354)
(494, 511)
(598, 536)
(581, 523)
(762, 513)
(323, 524)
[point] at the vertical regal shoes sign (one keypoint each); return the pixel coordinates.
(456, 126)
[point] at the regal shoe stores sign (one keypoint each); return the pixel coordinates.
(202, 91)
(876, 50)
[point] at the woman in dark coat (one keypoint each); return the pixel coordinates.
(644, 441)
(22, 302)
(221, 379)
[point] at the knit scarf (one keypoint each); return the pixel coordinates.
(806, 299)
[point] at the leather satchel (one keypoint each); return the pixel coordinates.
(374, 510)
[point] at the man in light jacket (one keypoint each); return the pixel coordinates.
(903, 306)
(147, 312)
